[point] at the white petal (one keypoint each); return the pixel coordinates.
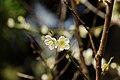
(61, 37)
(47, 41)
(53, 39)
(56, 44)
(67, 40)
(48, 36)
(51, 42)
(51, 47)
(67, 46)
(60, 49)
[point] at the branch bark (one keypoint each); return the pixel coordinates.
(101, 49)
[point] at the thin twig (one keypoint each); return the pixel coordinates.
(95, 17)
(76, 74)
(102, 46)
(75, 14)
(101, 14)
(86, 27)
(90, 7)
(77, 66)
(63, 70)
(63, 14)
(26, 76)
(29, 9)
(57, 61)
(34, 45)
(80, 43)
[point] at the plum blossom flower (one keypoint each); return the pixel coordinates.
(63, 43)
(88, 56)
(51, 42)
(11, 23)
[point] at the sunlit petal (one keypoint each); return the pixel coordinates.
(51, 42)
(63, 43)
(67, 46)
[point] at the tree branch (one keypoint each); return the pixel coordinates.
(77, 66)
(101, 14)
(86, 27)
(80, 43)
(63, 70)
(63, 14)
(100, 51)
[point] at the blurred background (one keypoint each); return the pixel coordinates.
(24, 23)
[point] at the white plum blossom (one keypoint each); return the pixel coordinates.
(88, 56)
(23, 24)
(50, 62)
(51, 42)
(83, 31)
(63, 43)
(44, 77)
(11, 23)
(21, 19)
(113, 65)
(44, 29)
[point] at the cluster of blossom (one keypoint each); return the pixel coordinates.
(22, 23)
(60, 44)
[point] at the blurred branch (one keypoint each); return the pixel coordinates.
(34, 45)
(80, 43)
(57, 61)
(36, 48)
(25, 76)
(63, 13)
(77, 66)
(95, 17)
(92, 8)
(101, 14)
(76, 74)
(86, 27)
(100, 51)
(29, 9)
(63, 70)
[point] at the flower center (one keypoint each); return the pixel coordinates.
(62, 43)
